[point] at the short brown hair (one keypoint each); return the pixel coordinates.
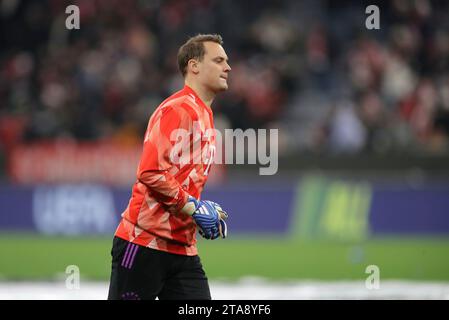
(194, 49)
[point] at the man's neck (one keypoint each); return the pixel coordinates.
(205, 95)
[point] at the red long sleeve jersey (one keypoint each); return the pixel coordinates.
(178, 149)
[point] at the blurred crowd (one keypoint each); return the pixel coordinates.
(309, 68)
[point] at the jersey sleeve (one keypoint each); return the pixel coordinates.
(157, 157)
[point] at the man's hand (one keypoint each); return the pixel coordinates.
(222, 227)
(209, 216)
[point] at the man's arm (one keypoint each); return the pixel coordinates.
(155, 162)
(166, 190)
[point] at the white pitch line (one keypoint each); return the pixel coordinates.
(246, 289)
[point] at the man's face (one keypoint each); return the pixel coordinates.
(214, 68)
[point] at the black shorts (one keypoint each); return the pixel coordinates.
(142, 273)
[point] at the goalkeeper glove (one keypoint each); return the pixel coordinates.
(209, 217)
(222, 227)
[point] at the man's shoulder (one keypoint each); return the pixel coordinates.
(178, 101)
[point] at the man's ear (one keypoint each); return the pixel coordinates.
(192, 65)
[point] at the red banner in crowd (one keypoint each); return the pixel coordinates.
(61, 162)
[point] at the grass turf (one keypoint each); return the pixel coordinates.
(35, 257)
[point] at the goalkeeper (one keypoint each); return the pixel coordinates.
(154, 253)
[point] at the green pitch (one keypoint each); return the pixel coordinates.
(33, 257)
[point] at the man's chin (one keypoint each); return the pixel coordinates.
(220, 88)
(223, 87)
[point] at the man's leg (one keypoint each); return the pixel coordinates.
(187, 281)
(137, 272)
